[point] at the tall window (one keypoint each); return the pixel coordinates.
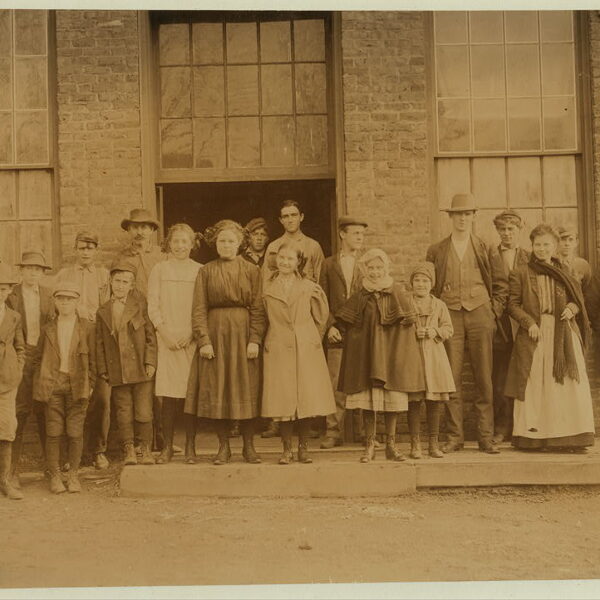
(243, 95)
(506, 114)
(26, 174)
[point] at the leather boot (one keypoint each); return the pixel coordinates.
(75, 450)
(53, 457)
(415, 447)
(144, 434)
(168, 427)
(369, 426)
(190, 439)
(6, 487)
(129, 455)
(391, 452)
(248, 451)
(223, 427)
(16, 449)
(146, 458)
(286, 429)
(414, 427)
(434, 412)
(303, 435)
(272, 431)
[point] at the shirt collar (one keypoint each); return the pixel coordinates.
(31, 290)
(504, 248)
(89, 268)
(121, 300)
(296, 237)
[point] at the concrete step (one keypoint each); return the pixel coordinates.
(338, 473)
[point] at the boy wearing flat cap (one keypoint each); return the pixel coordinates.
(64, 378)
(258, 238)
(472, 283)
(11, 367)
(95, 291)
(567, 253)
(340, 278)
(126, 359)
(35, 305)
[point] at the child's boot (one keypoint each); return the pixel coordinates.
(434, 410)
(6, 487)
(391, 452)
(414, 427)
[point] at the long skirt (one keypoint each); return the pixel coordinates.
(226, 386)
(553, 414)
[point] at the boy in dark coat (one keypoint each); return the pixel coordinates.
(126, 356)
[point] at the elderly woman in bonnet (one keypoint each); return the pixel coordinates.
(432, 329)
(381, 360)
(547, 374)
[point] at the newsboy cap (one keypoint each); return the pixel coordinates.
(124, 265)
(566, 231)
(67, 287)
(508, 215)
(255, 224)
(139, 215)
(346, 220)
(87, 236)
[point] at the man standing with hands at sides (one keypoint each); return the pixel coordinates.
(93, 282)
(291, 217)
(509, 226)
(472, 283)
(340, 278)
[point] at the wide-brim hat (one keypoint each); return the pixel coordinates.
(33, 258)
(461, 203)
(139, 215)
(347, 220)
(67, 287)
(7, 275)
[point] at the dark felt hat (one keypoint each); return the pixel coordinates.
(139, 215)
(33, 258)
(462, 203)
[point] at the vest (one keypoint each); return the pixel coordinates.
(463, 285)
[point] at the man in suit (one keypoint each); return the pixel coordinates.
(508, 225)
(34, 303)
(340, 278)
(473, 285)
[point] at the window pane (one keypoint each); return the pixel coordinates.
(8, 198)
(310, 88)
(175, 96)
(6, 84)
(30, 82)
(522, 70)
(35, 195)
(275, 41)
(209, 143)
(5, 33)
(521, 26)
(311, 140)
(244, 142)
(453, 177)
(524, 182)
(487, 71)
(242, 90)
(531, 217)
(559, 124)
(32, 137)
(309, 40)
(174, 44)
(9, 243)
(489, 125)
(208, 43)
(450, 27)
(209, 92)
(241, 43)
(484, 227)
(556, 25)
(486, 26)
(524, 124)
(558, 77)
(452, 71)
(6, 138)
(489, 182)
(36, 235)
(562, 217)
(176, 143)
(30, 32)
(453, 125)
(559, 180)
(276, 89)
(278, 141)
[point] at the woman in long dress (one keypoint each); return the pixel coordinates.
(296, 385)
(381, 361)
(547, 375)
(228, 322)
(170, 294)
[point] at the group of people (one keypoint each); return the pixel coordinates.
(275, 330)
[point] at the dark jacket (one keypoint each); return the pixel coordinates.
(12, 351)
(490, 266)
(47, 309)
(124, 354)
(82, 369)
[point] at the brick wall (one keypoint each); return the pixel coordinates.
(385, 130)
(98, 100)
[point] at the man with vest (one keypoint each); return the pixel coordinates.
(472, 283)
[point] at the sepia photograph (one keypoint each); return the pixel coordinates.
(294, 296)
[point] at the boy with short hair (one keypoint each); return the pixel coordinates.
(65, 374)
(126, 358)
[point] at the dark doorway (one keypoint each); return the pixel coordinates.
(203, 204)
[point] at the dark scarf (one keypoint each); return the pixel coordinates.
(566, 287)
(391, 307)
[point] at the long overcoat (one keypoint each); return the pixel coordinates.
(12, 350)
(296, 378)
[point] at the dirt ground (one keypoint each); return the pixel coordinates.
(100, 539)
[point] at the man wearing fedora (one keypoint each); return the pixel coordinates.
(93, 281)
(472, 283)
(35, 305)
(340, 278)
(509, 225)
